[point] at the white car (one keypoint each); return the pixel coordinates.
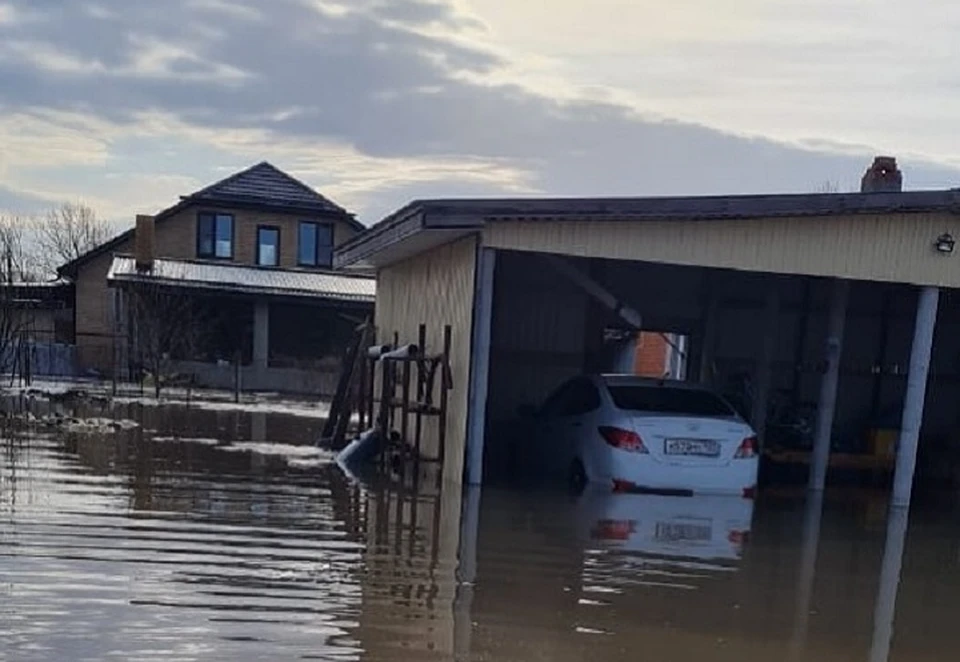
(636, 434)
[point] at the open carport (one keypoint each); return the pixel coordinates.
(834, 308)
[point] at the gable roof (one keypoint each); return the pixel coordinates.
(266, 185)
(261, 187)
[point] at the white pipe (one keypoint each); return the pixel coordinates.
(914, 399)
(401, 352)
(828, 386)
(377, 351)
(597, 291)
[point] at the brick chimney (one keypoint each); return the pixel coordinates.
(143, 241)
(882, 177)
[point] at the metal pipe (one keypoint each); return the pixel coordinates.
(597, 291)
(828, 385)
(914, 399)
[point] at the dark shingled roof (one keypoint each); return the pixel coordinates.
(265, 184)
(260, 187)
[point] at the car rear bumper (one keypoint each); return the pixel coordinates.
(647, 474)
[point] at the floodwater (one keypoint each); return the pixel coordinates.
(220, 535)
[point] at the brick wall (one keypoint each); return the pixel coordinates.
(652, 355)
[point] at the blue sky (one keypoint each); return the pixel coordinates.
(128, 104)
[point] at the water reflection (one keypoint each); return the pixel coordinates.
(199, 541)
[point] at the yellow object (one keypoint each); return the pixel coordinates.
(883, 441)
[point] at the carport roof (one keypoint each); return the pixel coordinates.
(424, 223)
(246, 280)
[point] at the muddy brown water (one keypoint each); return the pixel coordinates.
(238, 542)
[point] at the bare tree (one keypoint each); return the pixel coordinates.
(165, 325)
(20, 264)
(68, 231)
(12, 267)
(828, 186)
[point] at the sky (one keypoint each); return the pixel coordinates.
(128, 104)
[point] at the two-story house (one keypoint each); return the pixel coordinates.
(255, 252)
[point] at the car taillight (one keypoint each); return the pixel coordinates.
(625, 440)
(749, 448)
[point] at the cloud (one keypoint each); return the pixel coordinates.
(372, 102)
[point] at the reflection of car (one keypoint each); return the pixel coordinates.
(703, 527)
(633, 433)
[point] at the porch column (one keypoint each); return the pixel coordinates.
(828, 386)
(479, 363)
(261, 334)
(916, 394)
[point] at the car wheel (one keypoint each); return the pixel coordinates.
(577, 479)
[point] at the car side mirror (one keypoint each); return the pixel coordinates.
(527, 411)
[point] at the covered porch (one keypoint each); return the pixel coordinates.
(228, 326)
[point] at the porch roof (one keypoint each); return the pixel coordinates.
(245, 280)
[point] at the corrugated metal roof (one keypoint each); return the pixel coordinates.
(266, 184)
(423, 215)
(241, 279)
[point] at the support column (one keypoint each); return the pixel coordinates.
(886, 605)
(764, 375)
(261, 334)
(916, 395)
(828, 385)
(708, 334)
(480, 363)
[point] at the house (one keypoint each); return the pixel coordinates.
(252, 251)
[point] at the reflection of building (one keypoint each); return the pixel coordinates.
(254, 251)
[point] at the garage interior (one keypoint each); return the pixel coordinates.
(760, 339)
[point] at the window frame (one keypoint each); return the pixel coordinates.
(274, 228)
(317, 264)
(233, 235)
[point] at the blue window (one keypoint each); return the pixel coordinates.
(268, 246)
(215, 235)
(315, 244)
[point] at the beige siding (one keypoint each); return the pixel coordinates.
(435, 288)
(894, 248)
(94, 314)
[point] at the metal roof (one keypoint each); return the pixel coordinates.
(472, 214)
(239, 279)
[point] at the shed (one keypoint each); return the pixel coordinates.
(767, 285)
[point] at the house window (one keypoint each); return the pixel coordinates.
(315, 247)
(268, 246)
(215, 235)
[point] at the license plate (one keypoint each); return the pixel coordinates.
(683, 532)
(699, 447)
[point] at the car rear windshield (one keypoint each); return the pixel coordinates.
(666, 400)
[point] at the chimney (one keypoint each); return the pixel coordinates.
(143, 240)
(882, 177)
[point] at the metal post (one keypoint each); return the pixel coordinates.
(828, 385)
(768, 346)
(886, 605)
(480, 363)
(261, 334)
(813, 515)
(916, 394)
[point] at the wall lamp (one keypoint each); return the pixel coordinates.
(945, 243)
